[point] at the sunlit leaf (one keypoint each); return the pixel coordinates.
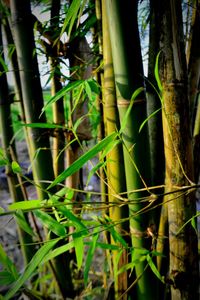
(147, 119)
(62, 93)
(43, 125)
(59, 250)
(134, 96)
(154, 269)
(79, 249)
(25, 205)
(156, 72)
(16, 167)
(83, 159)
(90, 255)
(22, 222)
(50, 223)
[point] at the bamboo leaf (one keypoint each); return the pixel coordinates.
(4, 65)
(62, 93)
(93, 171)
(135, 94)
(6, 278)
(83, 159)
(22, 223)
(43, 125)
(154, 269)
(156, 72)
(71, 16)
(76, 221)
(147, 119)
(79, 249)
(51, 223)
(16, 167)
(25, 205)
(7, 263)
(58, 251)
(90, 255)
(105, 246)
(29, 271)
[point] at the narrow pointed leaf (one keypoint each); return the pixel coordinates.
(16, 167)
(90, 256)
(79, 249)
(29, 271)
(156, 72)
(83, 159)
(135, 94)
(154, 269)
(22, 223)
(51, 223)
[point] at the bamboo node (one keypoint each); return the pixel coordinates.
(122, 102)
(137, 233)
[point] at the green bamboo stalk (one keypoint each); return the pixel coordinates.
(39, 146)
(97, 40)
(115, 164)
(16, 191)
(183, 246)
(128, 78)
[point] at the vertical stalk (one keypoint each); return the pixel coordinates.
(128, 72)
(8, 143)
(183, 271)
(39, 146)
(115, 163)
(58, 106)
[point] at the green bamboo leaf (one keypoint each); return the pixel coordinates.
(90, 255)
(62, 93)
(135, 94)
(154, 269)
(29, 271)
(58, 251)
(6, 278)
(156, 72)
(25, 205)
(22, 222)
(7, 263)
(71, 16)
(75, 220)
(16, 167)
(43, 125)
(94, 86)
(109, 148)
(51, 223)
(94, 169)
(147, 119)
(4, 65)
(88, 89)
(104, 246)
(2, 210)
(79, 249)
(83, 159)
(194, 224)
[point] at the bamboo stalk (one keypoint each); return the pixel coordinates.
(16, 190)
(115, 164)
(183, 247)
(128, 70)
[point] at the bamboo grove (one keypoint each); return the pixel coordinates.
(136, 132)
